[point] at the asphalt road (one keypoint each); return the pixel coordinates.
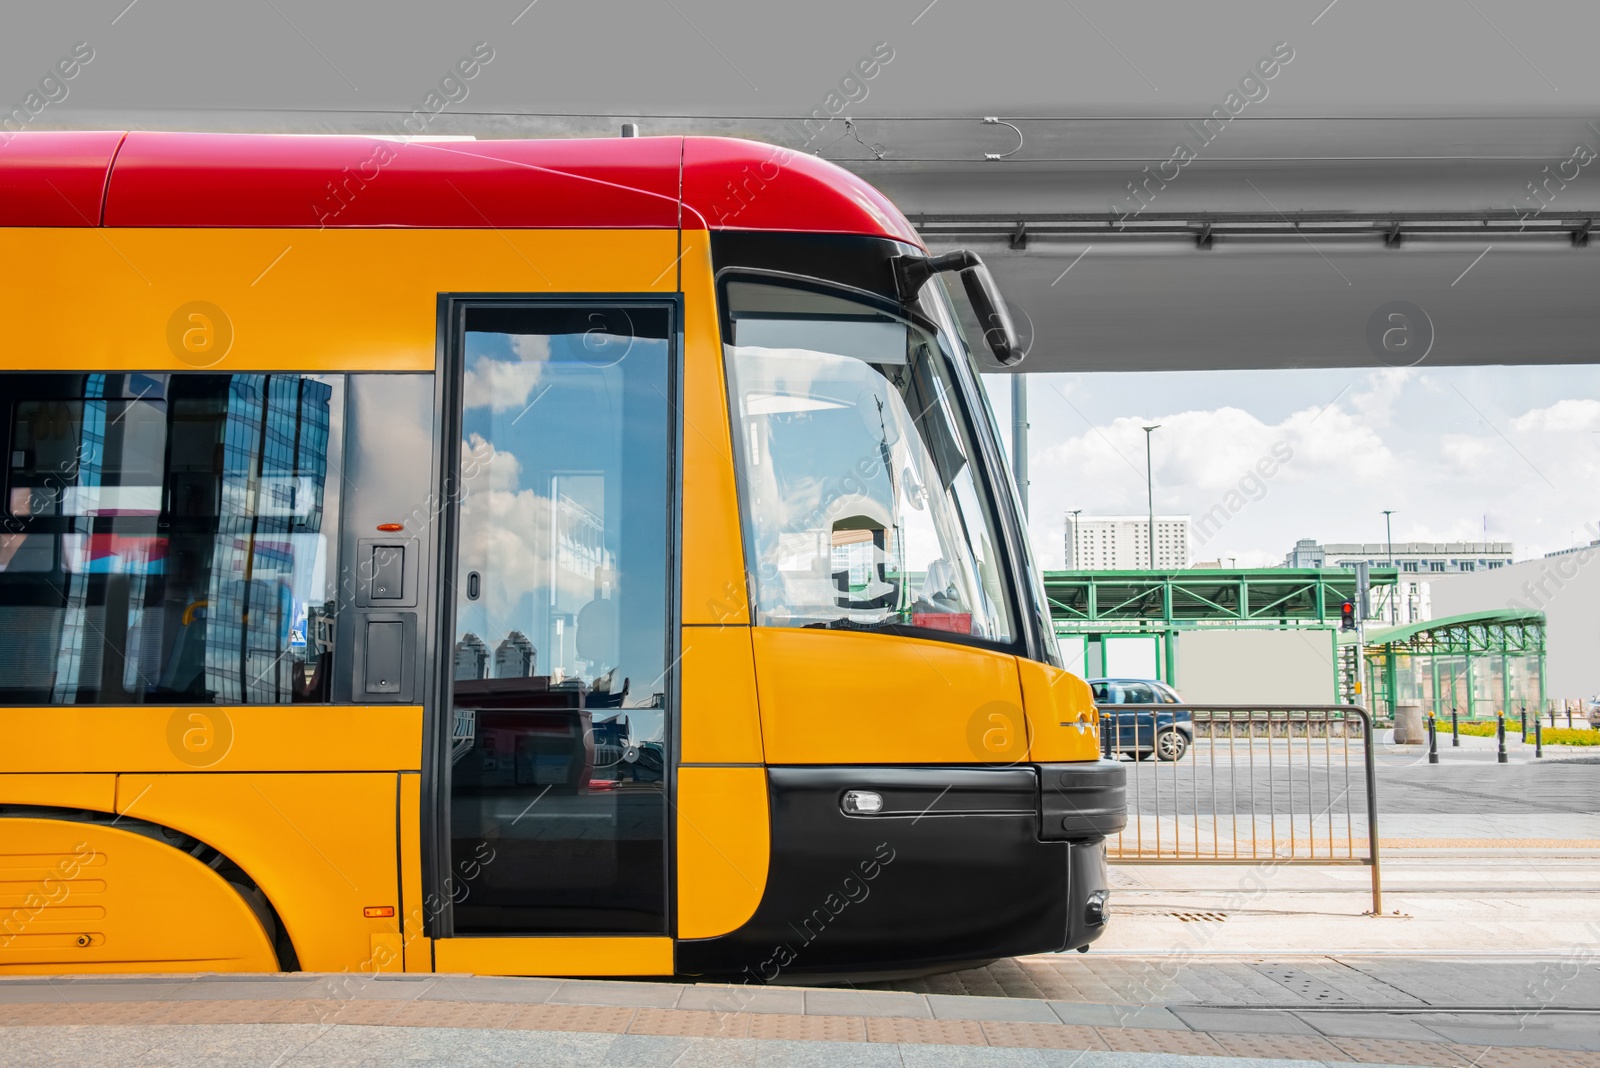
(1327, 778)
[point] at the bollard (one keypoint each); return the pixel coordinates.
(1569, 715)
(1552, 713)
(1538, 740)
(1455, 730)
(1524, 732)
(1433, 740)
(1500, 738)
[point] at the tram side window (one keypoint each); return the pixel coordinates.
(168, 538)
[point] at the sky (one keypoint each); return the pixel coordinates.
(1458, 452)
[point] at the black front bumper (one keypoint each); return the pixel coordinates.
(961, 866)
(1083, 800)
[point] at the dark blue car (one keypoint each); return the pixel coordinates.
(1141, 732)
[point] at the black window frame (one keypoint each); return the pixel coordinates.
(438, 912)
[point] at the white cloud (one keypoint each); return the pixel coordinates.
(501, 385)
(1564, 415)
(1517, 453)
(1384, 389)
(506, 535)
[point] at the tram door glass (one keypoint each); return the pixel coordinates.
(559, 654)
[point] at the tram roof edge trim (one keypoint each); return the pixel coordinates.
(163, 179)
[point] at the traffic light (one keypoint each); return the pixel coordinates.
(1347, 616)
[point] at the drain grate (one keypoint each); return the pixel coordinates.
(1199, 917)
(1304, 984)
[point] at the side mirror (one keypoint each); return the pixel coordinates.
(999, 333)
(990, 308)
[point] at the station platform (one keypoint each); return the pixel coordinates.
(1472, 1012)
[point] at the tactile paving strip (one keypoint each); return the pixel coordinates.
(1041, 1036)
(1530, 1057)
(691, 1023)
(936, 1032)
(1281, 1047)
(1403, 1051)
(236, 1012)
(447, 1014)
(606, 1019)
(1131, 1040)
(808, 1028)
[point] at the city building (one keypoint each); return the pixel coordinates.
(472, 658)
(1306, 553)
(514, 657)
(1589, 548)
(1409, 601)
(1122, 542)
(1430, 557)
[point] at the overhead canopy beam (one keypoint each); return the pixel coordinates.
(1293, 225)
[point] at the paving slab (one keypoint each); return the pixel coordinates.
(1249, 1021)
(654, 995)
(1368, 1025)
(488, 988)
(1509, 1031)
(759, 1052)
(290, 1045)
(937, 1056)
(1147, 1016)
(410, 1030)
(739, 998)
(355, 986)
(957, 1007)
(71, 993)
(667, 1022)
(866, 1003)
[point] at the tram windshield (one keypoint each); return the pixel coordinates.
(865, 507)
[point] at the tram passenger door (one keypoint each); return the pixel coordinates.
(559, 710)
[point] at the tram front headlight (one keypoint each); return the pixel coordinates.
(862, 803)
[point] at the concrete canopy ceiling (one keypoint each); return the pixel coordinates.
(1433, 106)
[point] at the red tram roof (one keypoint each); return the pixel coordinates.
(55, 178)
(150, 179)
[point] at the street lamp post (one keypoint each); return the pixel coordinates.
(1075, 513)
(1019, 437)
(1388, 533)
(1150, 492)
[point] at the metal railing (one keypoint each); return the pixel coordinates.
(1235, 784)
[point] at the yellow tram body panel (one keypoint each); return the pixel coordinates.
(76, 898)
(297, 300)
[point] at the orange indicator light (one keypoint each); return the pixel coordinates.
(376, 912)
(390, 528)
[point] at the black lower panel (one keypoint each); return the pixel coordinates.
(1087, 877)
(530, 860)
(955, 874)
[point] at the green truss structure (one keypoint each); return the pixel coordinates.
(1096, 601)
(1094, 606)
(1474, 665)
